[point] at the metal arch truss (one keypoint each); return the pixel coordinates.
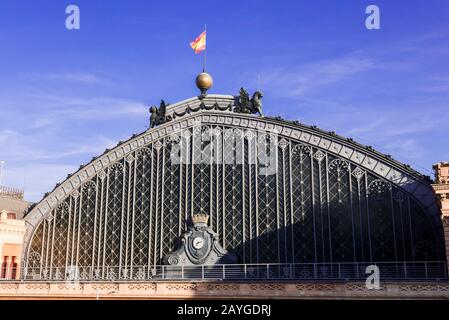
(315, 207)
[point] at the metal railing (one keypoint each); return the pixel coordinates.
(426, 270)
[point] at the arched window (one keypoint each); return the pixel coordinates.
(13, 268)
(4, 267)
(12, 215)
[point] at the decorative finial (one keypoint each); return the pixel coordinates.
(245, 104)
(157, 116)
(200, 218)
(204, 82)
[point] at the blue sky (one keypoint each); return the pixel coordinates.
(67, 95)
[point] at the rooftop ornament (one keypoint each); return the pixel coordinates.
(247, 105)
(204, 82)
(157, 115)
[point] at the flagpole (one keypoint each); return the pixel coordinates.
(205, 49)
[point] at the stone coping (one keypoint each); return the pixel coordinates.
(220, 290)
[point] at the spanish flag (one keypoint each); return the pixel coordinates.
(199, 44)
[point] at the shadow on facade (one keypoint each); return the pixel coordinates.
(332, 251)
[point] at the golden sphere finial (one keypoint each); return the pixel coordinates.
(204, 82)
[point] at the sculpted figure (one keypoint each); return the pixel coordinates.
(157, 115)
(247, 105)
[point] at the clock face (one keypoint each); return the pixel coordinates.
(198, 243)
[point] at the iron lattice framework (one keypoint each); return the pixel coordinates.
(316, 206)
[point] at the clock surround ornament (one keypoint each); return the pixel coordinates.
(200, 246)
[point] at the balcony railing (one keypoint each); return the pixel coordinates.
(427, 270)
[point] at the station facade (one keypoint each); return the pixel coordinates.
(217, 199)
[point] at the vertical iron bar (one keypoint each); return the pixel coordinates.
(181, 160)
(250, 203)
(47, 245)
(156, 214)
(284, 195)
(394, 225)
(105, 222)
(95, 223)
(328, 209)
(359, 200)
(68, 232)
(256, 184)
(312, 182)
(291, 205)
(368, 218)
(411, 229)
(352, 212)
(75, 212)
(278, 235)
(192, 173)
(122, 220)
(150, 207)
(79, 227)
(242, 141)
(53, 240)
(320, 187)
(223, 222)
(133, 212)
(211, 157)
(161, 254)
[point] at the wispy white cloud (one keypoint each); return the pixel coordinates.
(406, 146)
(430, 42)
(52, 108)
(297, 81)
(437, 84)
(48, 129)
(37, 162)
(384, 96)
(79, 77)
(19, 147)
(36, 178)
(371, 126)
(396, 121)
(58, 108)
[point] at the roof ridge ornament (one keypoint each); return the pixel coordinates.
(247, 105)
(158, 115)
